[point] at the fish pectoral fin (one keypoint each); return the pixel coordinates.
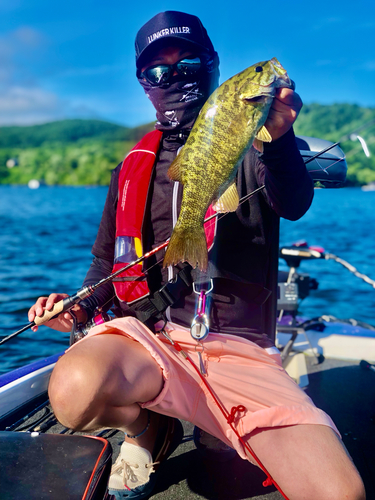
(175, 171)
(228, 201)
(263, 135)
(258, 145)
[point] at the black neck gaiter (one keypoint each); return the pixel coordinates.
(178, 104)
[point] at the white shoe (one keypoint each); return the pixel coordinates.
(135, 472)
(132, 468)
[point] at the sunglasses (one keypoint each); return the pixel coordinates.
(162, 73)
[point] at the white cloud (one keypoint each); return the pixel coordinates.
(95, 70)
(7, 6)
(27, 36)
(369, 65)
(16, 46)
(24, 38)
(327, 23)
(22, 101)
(21, 106)
(27, 106)
(323, 62)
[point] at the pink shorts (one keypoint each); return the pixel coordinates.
(238, 371)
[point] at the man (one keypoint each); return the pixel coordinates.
(122, 370)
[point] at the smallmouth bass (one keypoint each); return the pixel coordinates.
(229, 122)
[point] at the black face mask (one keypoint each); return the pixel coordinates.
(178, 103)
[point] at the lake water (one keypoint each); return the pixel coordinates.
(46, 237)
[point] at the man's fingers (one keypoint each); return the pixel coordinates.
(287, 97)
(37, 309)
(284, 111)
(44, 303)
(54, 298)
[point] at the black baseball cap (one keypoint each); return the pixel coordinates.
(170, 25)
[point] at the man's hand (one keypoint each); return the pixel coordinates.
(64, 321)
(283, 113)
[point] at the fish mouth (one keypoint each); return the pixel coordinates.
(284, 81)
(282, 78)
(259, 99)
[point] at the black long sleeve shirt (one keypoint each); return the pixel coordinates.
(240, 259)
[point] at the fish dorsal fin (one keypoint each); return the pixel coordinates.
(175, 171)
(263, 135)
(228, 201)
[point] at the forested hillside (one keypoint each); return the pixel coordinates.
(337, 123)
(68, 152)
(83, 152)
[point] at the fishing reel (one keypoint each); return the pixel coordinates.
(80, 330)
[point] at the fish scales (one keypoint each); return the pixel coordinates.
(207, 165)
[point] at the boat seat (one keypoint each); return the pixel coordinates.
(53, 466)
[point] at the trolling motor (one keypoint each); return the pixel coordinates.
(292, 285)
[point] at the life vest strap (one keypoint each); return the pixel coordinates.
(154, 306)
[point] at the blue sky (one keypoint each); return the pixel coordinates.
(76, 58)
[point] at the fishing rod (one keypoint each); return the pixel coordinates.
(66, 304)
(361, 140)
(86, 291)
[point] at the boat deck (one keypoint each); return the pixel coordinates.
(341, 388)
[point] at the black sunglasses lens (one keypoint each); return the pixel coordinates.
(161, 73)
(188, 66)
(157, 75)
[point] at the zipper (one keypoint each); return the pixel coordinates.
(176, 187)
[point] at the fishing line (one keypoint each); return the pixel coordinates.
(321, 152)
(219, 216)
(67, 303)
(350, 268)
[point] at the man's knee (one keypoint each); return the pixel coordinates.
(351, 488)
(106, 371)
(71, 391)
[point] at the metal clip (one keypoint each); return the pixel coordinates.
(200, 326)
(202, 367)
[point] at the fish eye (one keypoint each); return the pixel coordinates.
(259, 69)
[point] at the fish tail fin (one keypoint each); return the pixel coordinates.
(187, 245)
(175, 170)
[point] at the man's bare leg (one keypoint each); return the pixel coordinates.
(308, 462)
(100, 382)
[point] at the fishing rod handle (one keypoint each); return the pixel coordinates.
(64, 305)
(47, 315)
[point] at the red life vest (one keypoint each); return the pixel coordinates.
(133, 185)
